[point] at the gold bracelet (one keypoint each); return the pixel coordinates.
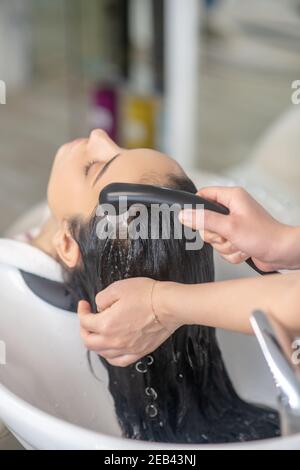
(156, 319)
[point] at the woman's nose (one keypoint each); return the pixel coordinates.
(101, 143)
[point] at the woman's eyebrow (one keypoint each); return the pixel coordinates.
(105, 168)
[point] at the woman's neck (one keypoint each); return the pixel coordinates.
(44, 241)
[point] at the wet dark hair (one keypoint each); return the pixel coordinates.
(181, 392)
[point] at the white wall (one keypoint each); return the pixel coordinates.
(182, 24)
(14, 43)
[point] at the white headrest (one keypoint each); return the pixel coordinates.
(29, 259)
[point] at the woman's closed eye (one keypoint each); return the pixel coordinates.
(89, 165)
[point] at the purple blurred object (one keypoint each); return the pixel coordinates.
(104, 113)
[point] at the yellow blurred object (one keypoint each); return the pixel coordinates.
(140, 115)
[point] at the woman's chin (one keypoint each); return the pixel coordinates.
(75, 142)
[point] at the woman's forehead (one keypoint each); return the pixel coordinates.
(150, 160)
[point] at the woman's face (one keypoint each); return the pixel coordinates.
(84, 167)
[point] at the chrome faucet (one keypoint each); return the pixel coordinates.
(277, 347)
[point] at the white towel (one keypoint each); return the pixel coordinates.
(29, 259)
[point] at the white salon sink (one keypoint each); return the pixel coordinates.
(50, 400)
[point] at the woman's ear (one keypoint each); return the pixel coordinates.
(66, 247)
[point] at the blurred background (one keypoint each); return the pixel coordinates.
(199, 79)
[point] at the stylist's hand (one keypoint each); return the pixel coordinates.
(129, 325)
(249, 230)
